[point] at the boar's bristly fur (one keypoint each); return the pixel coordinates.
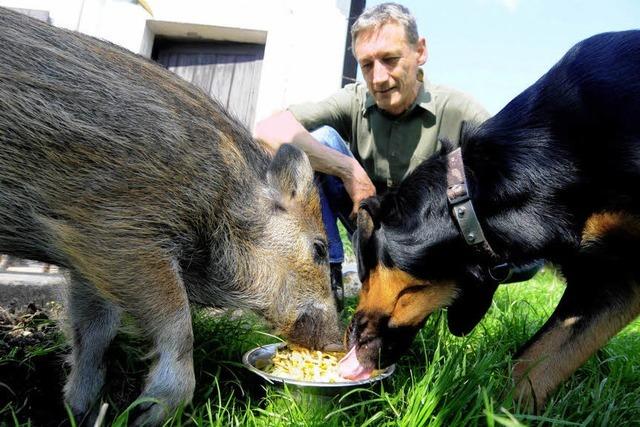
(150, 195)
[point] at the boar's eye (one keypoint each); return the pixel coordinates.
(320, 251)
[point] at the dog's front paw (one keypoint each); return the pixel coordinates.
(530, 392)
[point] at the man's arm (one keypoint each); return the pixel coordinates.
(283, 128)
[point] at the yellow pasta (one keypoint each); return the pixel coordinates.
(301, 364)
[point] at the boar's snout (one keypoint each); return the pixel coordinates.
(317, 327)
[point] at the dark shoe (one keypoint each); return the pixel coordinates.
(336, 285)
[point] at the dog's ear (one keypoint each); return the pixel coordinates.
(446, 146)
(471, 304)
(368, 215)
(363, 243)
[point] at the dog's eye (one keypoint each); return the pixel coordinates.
(412, 289)
(320, 250)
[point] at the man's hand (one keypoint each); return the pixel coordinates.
(358, 185)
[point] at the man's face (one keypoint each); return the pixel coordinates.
(390, 66)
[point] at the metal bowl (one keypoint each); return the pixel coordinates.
(261, 357)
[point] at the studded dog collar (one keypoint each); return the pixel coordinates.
(461, 206)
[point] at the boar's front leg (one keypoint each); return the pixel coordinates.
(159, 303)
(93, 323)
(151, 290)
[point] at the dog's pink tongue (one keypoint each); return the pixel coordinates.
(351, 369)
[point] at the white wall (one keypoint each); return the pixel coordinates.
(63, 13)
(304, 39)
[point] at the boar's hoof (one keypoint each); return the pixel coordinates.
(149, 413)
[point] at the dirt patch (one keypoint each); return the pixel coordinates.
(31, 366)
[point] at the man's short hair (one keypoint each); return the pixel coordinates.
(376, 16)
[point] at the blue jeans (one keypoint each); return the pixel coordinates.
(334, 199)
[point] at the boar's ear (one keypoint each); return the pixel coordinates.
(363, 244)
(470, 306)
(290, 174)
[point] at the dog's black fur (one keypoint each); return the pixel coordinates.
(564, 150)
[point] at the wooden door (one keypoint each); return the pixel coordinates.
(229, 72)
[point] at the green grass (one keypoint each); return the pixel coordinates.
(442, 381)
(346, 243)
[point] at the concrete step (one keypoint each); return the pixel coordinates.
(18, 289)
(36, 268)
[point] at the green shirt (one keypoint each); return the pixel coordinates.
(389, 147)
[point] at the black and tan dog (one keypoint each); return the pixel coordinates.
(554, 175)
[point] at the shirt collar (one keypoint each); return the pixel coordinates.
(424, 100)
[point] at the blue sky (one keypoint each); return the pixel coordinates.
(494, 49)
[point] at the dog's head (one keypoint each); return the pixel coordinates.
(407, 272)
